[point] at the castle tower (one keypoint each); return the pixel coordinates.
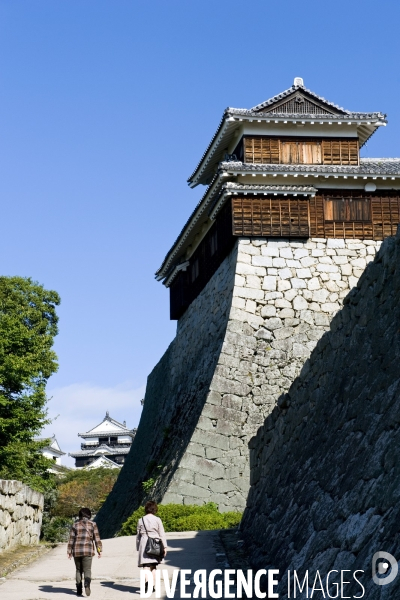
(105, 445)
(289, 219)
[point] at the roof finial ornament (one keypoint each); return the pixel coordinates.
(298, 81)
(107, 415)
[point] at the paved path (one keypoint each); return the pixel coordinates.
(115, 575)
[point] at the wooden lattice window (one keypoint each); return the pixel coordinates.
(261, 150)
(277, 217)
(340, 152)
(347, 209)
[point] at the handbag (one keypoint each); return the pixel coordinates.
(154, 546)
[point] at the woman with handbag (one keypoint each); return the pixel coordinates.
(151, 542)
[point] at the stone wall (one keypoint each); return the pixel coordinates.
(238, 347)
(21, 511)
(326, 464)
(284, 297)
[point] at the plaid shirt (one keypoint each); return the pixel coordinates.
(83, 535)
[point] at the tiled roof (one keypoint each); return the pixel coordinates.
(367, 166)
(121, 428)
(108, 433)
(107, 451)
(295, 88)
(225, 127)
(349, 116)
(242, 187)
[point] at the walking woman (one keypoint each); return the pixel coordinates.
(149, 526)
(83, 537)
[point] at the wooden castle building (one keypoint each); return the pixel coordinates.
(290, 219)
(289, 167)
(105, 445)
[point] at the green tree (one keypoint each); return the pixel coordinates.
(82, 488)
(28, 324)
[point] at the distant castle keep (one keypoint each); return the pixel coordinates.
(106, 445)
(290, 218)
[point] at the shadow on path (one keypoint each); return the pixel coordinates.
(51, 589)
(121, 588)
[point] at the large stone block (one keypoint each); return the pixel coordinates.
(221, 486)
(261, 261)
(212, 469)
(184, 488)
(212, 439)
(269, 283)
(171, 498)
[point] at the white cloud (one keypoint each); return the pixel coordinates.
(78, 407)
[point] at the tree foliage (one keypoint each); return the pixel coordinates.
(28, 324)
(87, 488)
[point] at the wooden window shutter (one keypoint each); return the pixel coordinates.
(347, 209)
(340, 152)
(261, 150)
(311, 152)
(274, 154)
(248, 149)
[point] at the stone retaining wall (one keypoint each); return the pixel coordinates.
(238, 347)
(21, 511)
(326, 464)
(284, 297)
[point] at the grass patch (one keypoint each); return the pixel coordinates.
(19, 556)
(186, 517)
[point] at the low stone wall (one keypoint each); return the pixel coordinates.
(325, 466)
(21, 511)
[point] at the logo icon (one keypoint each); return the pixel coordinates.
(384, 568)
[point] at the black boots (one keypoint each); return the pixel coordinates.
(79, 588)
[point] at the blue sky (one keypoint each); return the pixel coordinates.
(105, 110)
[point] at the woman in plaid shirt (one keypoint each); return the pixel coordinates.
(84, 536)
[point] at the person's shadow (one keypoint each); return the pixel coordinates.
(121, 588)
(51, 589)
